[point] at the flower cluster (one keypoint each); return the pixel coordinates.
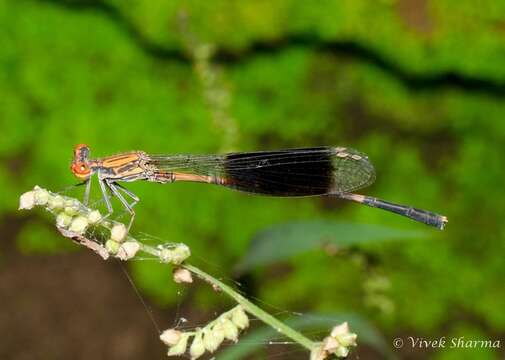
(226, 327)
(74, 219)
(338, 343)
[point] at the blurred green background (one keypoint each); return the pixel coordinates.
(418, 85)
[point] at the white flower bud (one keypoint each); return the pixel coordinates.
(239, 318)
(78, 225)
(171, 337)
(342, 351)
(197, 348)
(127, 250)
(41, 196)
(209, 341)
(118, 232)
(112, 246)
(176, 255)
(340, 340)
(27, 201)
(230, 330)
(182, 275)
(347, 339)
(165, 255)
(70, 210)
(218, 333)
(340, 329)
(317, 353)
(94, 216)
(71, 203)
(180, 253)
(180, 347)
(63, 220)
(56, 202)
(330, 344)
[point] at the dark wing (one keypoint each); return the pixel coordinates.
(298, 172)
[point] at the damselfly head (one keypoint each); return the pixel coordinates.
(80, 167)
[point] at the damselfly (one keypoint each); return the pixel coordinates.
(320, 171)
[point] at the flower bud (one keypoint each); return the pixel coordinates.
(41, 196)
(70, 210)
(78, 225)
(340, 329)
(230, 330)
(94, 216)
(340, 340)
(218, 333)
(180, 347)
(171, 337)
(180, 253)
(56, 202)
(182, 275)
(165, 255)
(210, 342)
(347, 339)
(330, 344)
(71, 203)
(127, 250)
(63, 220)
(118, 232)
(112, 246)
(27, 200)
(239, 318)
(197, 348)
(175, 255)
(318, 353)
(342, 351)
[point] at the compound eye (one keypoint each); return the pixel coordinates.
(81, 170)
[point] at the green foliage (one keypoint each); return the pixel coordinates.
(283, 242)
(119, 80)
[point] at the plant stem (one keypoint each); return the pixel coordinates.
(246, 304)
(254, 309)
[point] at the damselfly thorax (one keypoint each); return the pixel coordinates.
(321, 171)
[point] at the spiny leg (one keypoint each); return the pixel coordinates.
(105, 197)
(134, 197)
(115, 191)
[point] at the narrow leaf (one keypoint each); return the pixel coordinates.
(282, 242)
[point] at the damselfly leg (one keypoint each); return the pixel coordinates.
(105, 196)
(86, 192)
(128, 207)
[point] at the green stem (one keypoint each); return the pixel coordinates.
(254, 309)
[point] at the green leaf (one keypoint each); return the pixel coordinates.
(282, 242)
(256, 339)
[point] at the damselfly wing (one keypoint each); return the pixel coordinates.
(294, 172)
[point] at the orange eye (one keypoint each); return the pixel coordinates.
(80, 170)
